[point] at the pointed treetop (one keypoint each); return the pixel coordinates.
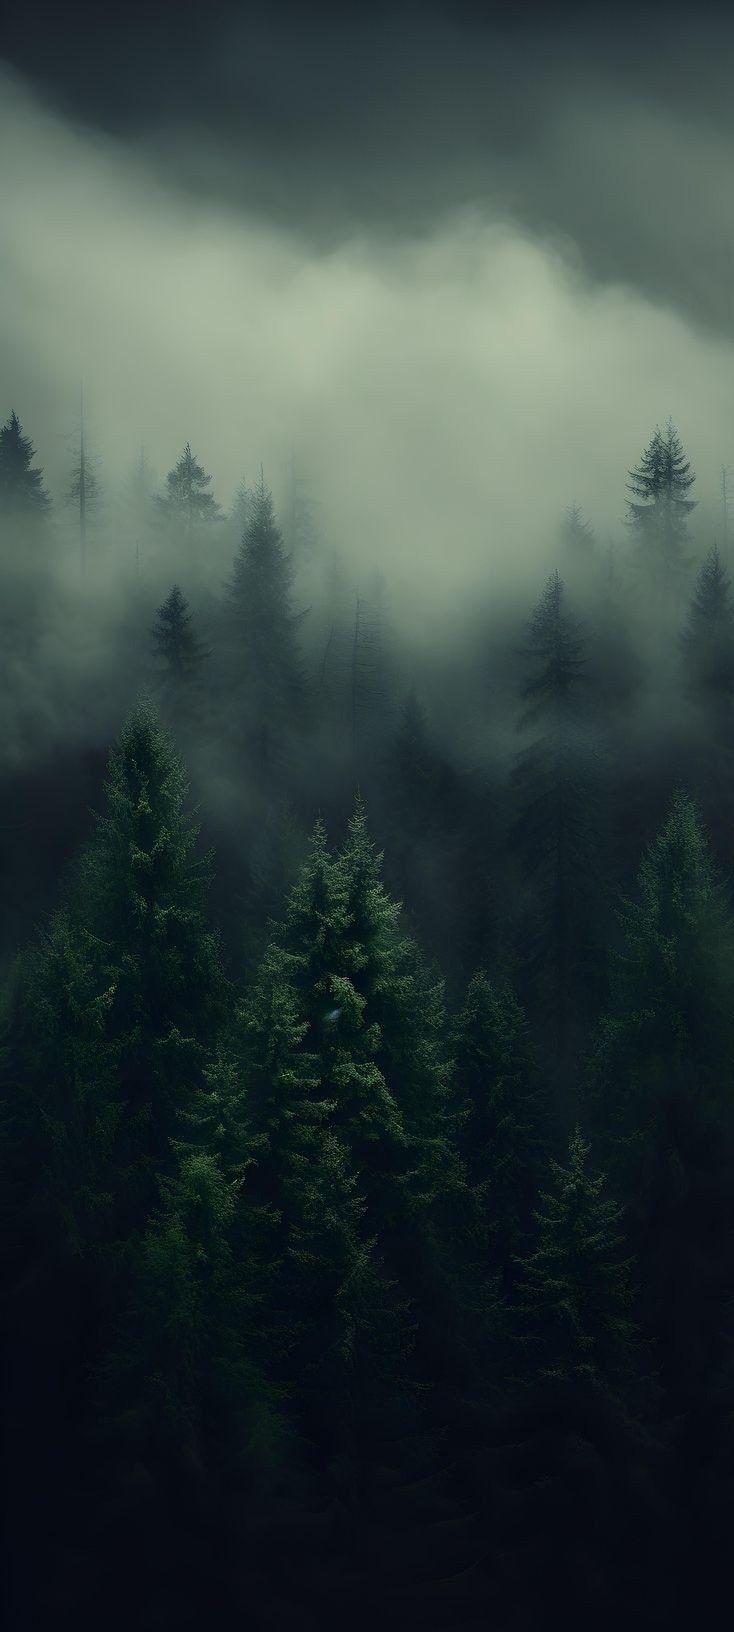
(21, 482)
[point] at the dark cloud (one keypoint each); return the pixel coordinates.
(615, 129)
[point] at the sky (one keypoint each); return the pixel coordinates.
(463, 259)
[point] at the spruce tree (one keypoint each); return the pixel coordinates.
(577, 539)
(707, 640)
(187, 498)
(659, 1077)
(131, 972)
(553, 792)
(504, 1119)
(22, 492)
(574, 1297)
(658, 512)
(261, 641)
(178, 652)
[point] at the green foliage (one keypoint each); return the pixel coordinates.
(120, 1000)
(574, 1297)
(21, 482)
(660, 1078)
(178, 652)
(659, 509)
(553, 784)
(261, 640)
(504, 1118)
(707, 640)
(187, 499)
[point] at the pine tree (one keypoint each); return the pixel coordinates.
(138, 507)
(553, 787)
(178, 651)
(84, 491)
(577, 536)
(241, 508)
(659, 511)
(131, 984)
(260, 629)
(22, 492)
(504, 1119)
(575, 1296)
(707, 640)
(660, 1075)
(187, 498)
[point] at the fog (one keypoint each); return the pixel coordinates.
(450, 390)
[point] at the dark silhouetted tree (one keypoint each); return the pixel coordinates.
(187, 498)
(553, 830)
(262, 644)
(660, 1080)
(22, 492)
(658, 512)
(178, 652)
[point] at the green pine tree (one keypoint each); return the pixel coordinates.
(659, 1075)
(658, 512)
(178, 652)
(707, 641)
(504, 1127)
(553, 786)
(187, 499)
(260, 631)
(22, 492)
(574, 1297)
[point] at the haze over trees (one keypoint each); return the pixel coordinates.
(367, 1132)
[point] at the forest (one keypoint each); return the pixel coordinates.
(367, 1127)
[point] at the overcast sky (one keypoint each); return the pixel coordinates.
(463, 258)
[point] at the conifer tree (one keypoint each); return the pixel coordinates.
(84, 491)
(659, 509)
(577, 536)
(660, 1075)
(707, 639)
(187, 498)
(504, 1119)
(260, 627)
(553, 786)
(130, 972)
(178, 651)
(575, 1296)
(241, 508)
(22, 492)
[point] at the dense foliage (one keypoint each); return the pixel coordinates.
(367, 1188)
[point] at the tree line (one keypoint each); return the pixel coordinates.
(373, 1256)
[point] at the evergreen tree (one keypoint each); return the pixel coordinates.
(175, 645)
(707, 640)
(577, 536)
(84, 491)
(131, 984)
(263, 656)
(241, 508)
(187, 498)
(659, 511)
(575, 1297)
(660, 1075)
(504, 1126)
(22, 492)
(553, 787)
